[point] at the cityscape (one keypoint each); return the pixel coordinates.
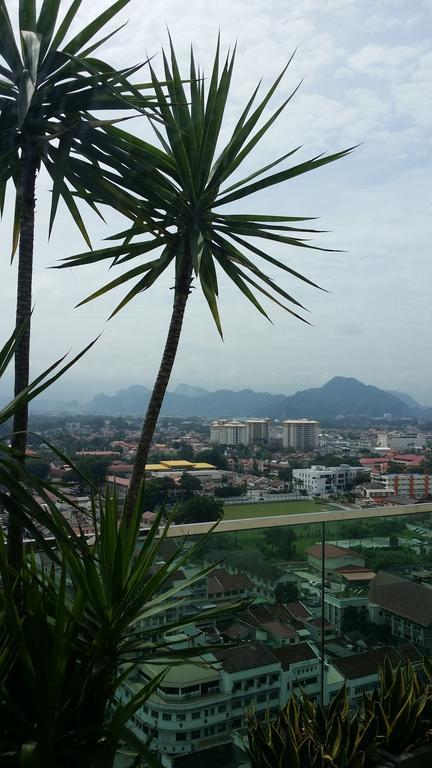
(374, 603)
(215, 399)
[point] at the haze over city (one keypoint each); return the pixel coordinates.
(368, 77)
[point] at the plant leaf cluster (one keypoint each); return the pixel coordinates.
(179, 193)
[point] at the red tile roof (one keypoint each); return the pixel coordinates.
(278, 630)
(330, 551)
(293, 654)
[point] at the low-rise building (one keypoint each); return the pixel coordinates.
(399, 441)
(403, 606)
(335, 558)
(321, 481)
(413, 486)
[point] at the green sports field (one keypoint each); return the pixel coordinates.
(272, 508)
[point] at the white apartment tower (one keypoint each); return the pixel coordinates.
(228, 433)
(301, 434)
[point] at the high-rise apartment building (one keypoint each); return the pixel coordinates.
(258, 431)
(301, 434)
(250, 432)
(228, 433)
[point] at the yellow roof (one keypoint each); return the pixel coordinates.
(177, 463)
(154, 467)
(204, 465)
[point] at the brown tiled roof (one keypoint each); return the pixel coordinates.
(293, 654)
(236, 630)
(278, 629)
(297, 610)
(365, 664)
(404, 598)
(248, 656)
(221, 581)
(330, 550)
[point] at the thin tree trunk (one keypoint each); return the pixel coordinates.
(22, 353)
(181, 294)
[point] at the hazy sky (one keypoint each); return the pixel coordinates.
(367, 66)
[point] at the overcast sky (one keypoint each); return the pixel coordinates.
(367, 69)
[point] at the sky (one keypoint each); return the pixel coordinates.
(366, 67)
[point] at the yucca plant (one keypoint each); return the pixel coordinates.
(402, 706)
(50, 91)
(303, 735)
(17, 482)
(182, 212)
(82, 627)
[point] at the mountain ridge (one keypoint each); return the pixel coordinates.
(341, 396)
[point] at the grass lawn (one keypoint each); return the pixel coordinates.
(272, 508)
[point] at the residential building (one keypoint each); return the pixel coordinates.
(258, 431)
(399, 441)
(403, 606)
(335, 558)
(414, 486)
(229, 433)
(321, 481)
(301, 434)
(249, 432)
(360, 671)
(196, 709)
(335, 607)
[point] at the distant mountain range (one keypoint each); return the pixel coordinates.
(340, 396)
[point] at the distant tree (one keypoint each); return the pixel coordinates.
(393, 541)
(285, 474)
(212, 456)
(199, 509)
(287, 592)
(94, 468)
(225, 491)
(189, 483)
(39, 467)
(282, 541)
(158, 491)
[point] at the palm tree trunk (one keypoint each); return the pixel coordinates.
(22, 353)
(181, 294)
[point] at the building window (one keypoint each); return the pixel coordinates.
(154, 713)
(166, 716)
(181, 736)
(221, 708)
(181, 717)
(195, 715)
(195, 734)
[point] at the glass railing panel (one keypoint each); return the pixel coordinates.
(292, 620)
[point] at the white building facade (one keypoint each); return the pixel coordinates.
(401, 441)
(318, 480)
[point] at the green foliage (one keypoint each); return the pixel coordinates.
(182, 210)
(212, 456)
(396, 717)
(189, 484)
(402, 707)
(199, 509)
(286, 592)
(82, 628)
(90, 471)
(228, 491)
(304, 736)
(48, 93)
(39, 467)
(158, 491)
